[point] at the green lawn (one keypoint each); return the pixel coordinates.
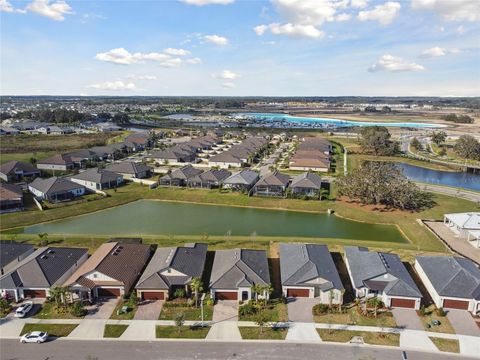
(169, 310)
(57, 330)
(268, 333)
(372, 338)
(444, 327)
(382, 319)
(184, 332)
(275, 310)
(114, 331)
(447, 345)
(128, 316)
(49, 311)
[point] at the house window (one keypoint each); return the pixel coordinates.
(95, 276)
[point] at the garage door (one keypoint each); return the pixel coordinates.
(224, 295)
(108, 292)
(298, 292)
(455, 304)
(403, 303)
(153, 295)
(34, 293)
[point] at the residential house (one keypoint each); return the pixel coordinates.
(131, 169)
(55, 189)
(180, 177)
(60, 162)
(98, 179)
(11, 198)
(308, 270)
(82, 157)
(11, 253)
(173, 156)
(17, 170)
(272, 184)
(307, 184)
(209, 179)
(7, 130)
(38, 272)
(462, 223)
(452, 282)
(235, 271)
(109, 152)
(140, 141)
(111, 271)
(382, 275)
(225, 160)
(241, 181)
(171, 268)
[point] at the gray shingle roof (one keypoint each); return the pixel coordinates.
(300, 264)
(244, 177)
(214, 175)
(183, 173)
(11, 250)
(239, 267)
(97, 175)
(10, 191)
(276, 178)
(380, 271)
(225, 157)
(54, 184)
(452, 276)
(12, 166)
(59, 159)
(307, 180)
(128, 167)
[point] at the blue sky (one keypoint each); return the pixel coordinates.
(239, 47)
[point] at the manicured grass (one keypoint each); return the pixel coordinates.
(447, 345)
(25, 156)
(268, 333)
(184, 332)
(169, 310)
(49, 311)
(57, 330)
(382, 319)
(276, 311)
(372, 338)
(114, 331)
(128, 316)
(444, 327)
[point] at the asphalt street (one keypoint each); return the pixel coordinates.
(176, 350)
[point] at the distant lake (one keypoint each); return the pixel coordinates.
(462, 180)
(149, 217)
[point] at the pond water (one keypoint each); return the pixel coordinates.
(149, 217)
(327, 122)
(437, 177)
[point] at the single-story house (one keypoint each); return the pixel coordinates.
(382, 275)
(309, 164)
(209, 179)
(11, 253)
(241, 181)
(83, 156)
(108, 152)
(308, 270)
(452, 282)
(462, 223)
(173, 156)
(11, 198)
(225, 160)
(55, 189)
(60, 162)
(235, 271)
(98, 179)
(38, 272)
(16, 170)
(180, 177)
(131, 169)
(272, 184)
(6, 130)
(171, 268)
(306, 184)
(111, 271)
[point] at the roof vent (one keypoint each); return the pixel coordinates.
(50, 251)
(44, 257)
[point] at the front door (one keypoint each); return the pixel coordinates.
(244, 295)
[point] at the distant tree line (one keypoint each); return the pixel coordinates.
(59, 115)
(460, 119)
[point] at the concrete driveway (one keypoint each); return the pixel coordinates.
(102, 309)
(463, 322)
(407, 319)
(225, 310)
(149, 310)
(300, 309)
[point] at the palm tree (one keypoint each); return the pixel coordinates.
(376, 302)
(197, 286)
(256, 289)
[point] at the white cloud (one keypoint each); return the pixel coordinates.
(451, 10)
(207, 2)
(168, 58)
(216, 39)
(226, 75)
(343, 17)
(142, 77)
(358, 4)
(228, 85)
(384, 13)
(294, 30)
(114, 85)
(394, 64)
(194, 61)
(460, 30)
(55, 10)
(5, 6)
(434, 52)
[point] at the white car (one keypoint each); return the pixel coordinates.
(23, 309)
(34, 337)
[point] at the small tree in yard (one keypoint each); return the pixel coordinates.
(179, 293)
(197, 287)
(382, 322)
(415, 143)
(43, 239)
(375, 302)
(353, 316)
(133, 299)
(179, 320)
(261, 320)
(4, 306)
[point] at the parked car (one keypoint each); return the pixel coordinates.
(23, 309)
(34, 337)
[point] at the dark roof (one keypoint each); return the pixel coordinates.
(10, 191)
(54, 184)
(43, 268)
(452, 276)
(128, 167)
(11, 250)
(244, 177)
(188, 260)
(276, 178)
(83, 154)
(239, 268)
(225, 157)
(97, 175)
(307, 180)
(369, 268)
(17, 166)
(212, 175)
(59, 159)
(183, 173)
(302, 264)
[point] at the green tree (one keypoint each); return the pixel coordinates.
(179, 293)
(133, 299)
(416, 144)
(179, 320)
(43, 239)
(376, 303)
(261, 319)
(468, 147)
(438, 137)
(197, 286)
(59, 295)
(377, 140)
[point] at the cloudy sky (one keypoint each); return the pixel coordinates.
(240, 47)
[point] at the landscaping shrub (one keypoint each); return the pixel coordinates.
(77, 309)
(179, 293)
(423, 311)
(440, 312)
(248, 309)
(320, 309)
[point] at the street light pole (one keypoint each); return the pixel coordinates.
(201, 306)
